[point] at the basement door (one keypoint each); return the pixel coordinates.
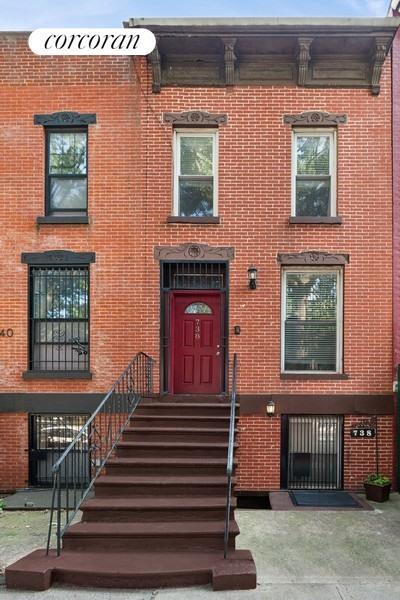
(196, 356)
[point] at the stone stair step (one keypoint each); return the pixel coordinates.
(156, 420)
(132, 570)
(164, 466)
(172, 449)
(175, 434)
(184, 408)
(149, 508)
(165, 536)
(140, 485)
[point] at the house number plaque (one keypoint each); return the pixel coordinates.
(363, 432)
(6, 332)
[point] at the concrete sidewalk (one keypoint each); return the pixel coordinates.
(299, 556)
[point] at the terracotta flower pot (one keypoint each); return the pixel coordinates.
(377, 493)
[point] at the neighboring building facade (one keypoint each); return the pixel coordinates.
(233, 193)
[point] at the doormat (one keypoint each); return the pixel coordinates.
(324, 499)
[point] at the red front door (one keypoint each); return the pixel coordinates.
(196, 342)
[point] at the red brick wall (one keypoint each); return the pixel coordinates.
(258, 454)
(130, 200)
(130, 183)
(13, 455)
(254, 206)
(106, 86)
(359, 455)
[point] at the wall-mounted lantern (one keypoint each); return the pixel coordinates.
(270, 408)
(252, 275)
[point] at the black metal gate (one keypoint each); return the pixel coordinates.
(313, 452)
(49, 436)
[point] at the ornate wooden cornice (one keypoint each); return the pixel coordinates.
(64, 118)
(193, 251)
(331, 53)
(315, 118)
(155, 61)
(195, 117)
(58, 257)
(381, 48)
(313, 257)
(303, 58)
(229, 59)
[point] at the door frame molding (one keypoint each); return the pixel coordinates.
(165, 348)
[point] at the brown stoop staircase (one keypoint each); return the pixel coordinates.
(157, 515)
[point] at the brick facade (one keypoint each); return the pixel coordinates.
(259, 453)
(13, 451)
(359, 456)
(130, 198)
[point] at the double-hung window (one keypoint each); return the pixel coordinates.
(312, 319)
(59, 318)
(314, 173)
(66, 171)
(195, 173)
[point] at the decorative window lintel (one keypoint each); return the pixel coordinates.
(195, 117)
(58, 257)
(315, 119)
(313, 257)
(64, 119)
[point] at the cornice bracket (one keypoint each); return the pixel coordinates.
(229, 60)
(381, 47)
(303, 59)
(155, 61)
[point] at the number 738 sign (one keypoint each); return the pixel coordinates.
(363, 432)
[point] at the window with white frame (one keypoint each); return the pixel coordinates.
(314, 173)
(312, 307)
(195, 173)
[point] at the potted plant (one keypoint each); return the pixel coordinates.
(377, 487)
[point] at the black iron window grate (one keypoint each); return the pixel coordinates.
(50, 435)
(194, 275)
(59, 315)
(314, 452)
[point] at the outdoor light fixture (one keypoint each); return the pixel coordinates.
(252, 274)
(270, 408)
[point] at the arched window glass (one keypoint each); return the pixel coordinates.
(198, 308)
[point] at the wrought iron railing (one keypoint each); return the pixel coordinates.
(78, 467)
(231, 446)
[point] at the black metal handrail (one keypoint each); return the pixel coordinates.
(78, 467)
(231, 445)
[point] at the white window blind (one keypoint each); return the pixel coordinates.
(311, 320)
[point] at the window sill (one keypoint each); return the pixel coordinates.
(315, 220)
(53, 220)
(195, 220)
(57, 375)
(310, 376)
